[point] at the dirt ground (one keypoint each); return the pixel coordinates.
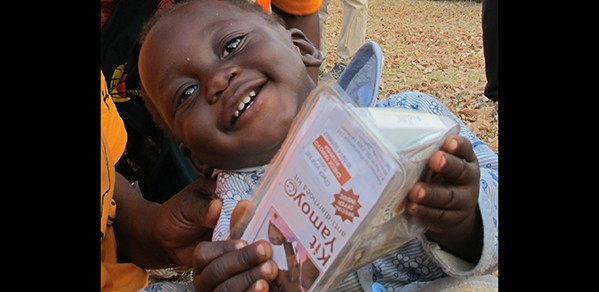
(434, 47)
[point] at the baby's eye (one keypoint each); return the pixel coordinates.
(231, 46)
(188, 92)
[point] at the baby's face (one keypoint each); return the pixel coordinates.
(226, 82)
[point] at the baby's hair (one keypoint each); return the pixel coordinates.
(245, 5)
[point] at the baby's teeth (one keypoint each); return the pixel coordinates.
(242, 104)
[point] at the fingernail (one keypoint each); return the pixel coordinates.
(261, 250)
(259, 286)
(267, 268)
(240, 245)
(442, 161)
(421, 194)
(412, 207)
(453, 144)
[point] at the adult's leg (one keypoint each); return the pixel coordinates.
(490, 23)
(353, 28)
(323, 14)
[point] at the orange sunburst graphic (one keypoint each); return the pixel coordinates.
(346, 205)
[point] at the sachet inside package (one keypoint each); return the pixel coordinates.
(333, 198)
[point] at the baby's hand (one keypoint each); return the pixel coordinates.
(450, 196)
(233, 265)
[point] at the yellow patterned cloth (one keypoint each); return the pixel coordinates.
(114, 276)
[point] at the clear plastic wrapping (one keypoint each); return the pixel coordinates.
(333, 197)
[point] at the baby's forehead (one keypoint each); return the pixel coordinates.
(216, 8)
(209, 10)
(202, 13)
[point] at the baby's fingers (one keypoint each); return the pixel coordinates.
(229, 264)
(255, 279)
(436, 210)
(459, 146)
(440, 207)
(455, 168)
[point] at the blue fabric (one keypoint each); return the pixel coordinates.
(231, 187)
(169, 287)
(360, 79)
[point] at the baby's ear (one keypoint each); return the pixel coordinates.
(310, 54)
(202, 168)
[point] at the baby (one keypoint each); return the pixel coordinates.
(227, 80)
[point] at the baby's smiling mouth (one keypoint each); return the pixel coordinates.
(243, 105)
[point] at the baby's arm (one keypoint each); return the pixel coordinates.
(487, 203)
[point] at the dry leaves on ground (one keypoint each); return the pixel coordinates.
(433, 47)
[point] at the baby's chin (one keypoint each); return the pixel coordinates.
(239, 163)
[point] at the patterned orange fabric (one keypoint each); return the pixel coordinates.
(114, 276)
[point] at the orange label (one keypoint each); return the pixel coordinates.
(332, 160)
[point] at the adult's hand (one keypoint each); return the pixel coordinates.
(154, 235)
(187, 219)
